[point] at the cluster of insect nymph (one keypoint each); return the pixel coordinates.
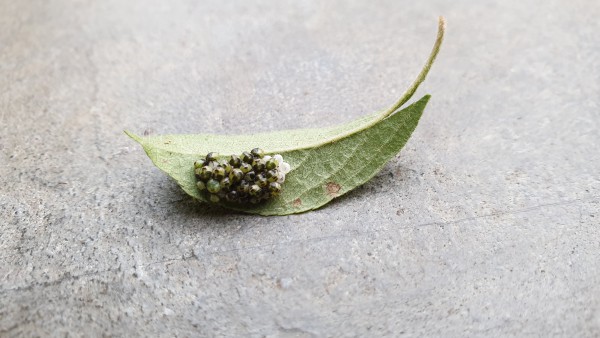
(252, 177)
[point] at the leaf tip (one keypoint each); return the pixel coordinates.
(133, 136)
(422, 102)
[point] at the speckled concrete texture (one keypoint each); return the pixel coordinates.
(486, 224)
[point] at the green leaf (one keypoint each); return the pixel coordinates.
(325, 163)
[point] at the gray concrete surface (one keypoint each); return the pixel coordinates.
(487, 224)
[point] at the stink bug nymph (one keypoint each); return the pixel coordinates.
(252, 177)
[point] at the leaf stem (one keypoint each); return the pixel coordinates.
(423, 74)
(405, 97)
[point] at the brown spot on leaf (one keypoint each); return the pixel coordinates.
(333, 189)
(297, 203)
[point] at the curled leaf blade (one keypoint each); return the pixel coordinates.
(318, 174)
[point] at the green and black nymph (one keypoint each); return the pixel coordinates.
(251, 177)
